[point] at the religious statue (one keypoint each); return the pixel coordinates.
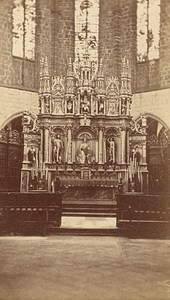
(32, 155)
(47, 104)
(84, 152)
(101, 106)
(135, 156)
(85, 104)
(69, 106)
(57, 147)
(27, 122)
(111, 150)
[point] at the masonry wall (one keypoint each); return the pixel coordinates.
(14, 71)
(118, 28)
(110, 36)
(55, 39)
(128, 34)
(165, 45)
(44, 47)
(153, 103)
(64, 34)
(6, 63)
(14, 102)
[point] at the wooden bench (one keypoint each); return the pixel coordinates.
(144, 215)
(29, 213)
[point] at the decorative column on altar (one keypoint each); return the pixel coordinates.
(69, 146)
(100, 158)
(125, 90)
(25, 154)
(144, 171)
(46, 148)
(70, 95)
(44, 88)
(144, 134)
(127, 146)
(123, 145)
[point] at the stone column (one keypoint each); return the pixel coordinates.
(110, 36)
(100, 160)
(97, 152)
(69, 146)
(63, 34)
(44, 39)
(41, 155)
(25, 150)
(46, 146)
(128, 34)
(127, 145)
(144, 152)
(123, 143)
(74, 158)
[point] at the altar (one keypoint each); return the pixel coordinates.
(84, 133)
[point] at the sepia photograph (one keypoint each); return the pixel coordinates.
(84, 149)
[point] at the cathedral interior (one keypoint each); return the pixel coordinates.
(84, 95)
(84, 149)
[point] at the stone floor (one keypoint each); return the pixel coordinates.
(92, 268)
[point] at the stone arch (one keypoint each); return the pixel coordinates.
(14, 116)
(157, 156)
(57, 130)
(153, 116)
(112, 131)
(12, 152)
(82, 130)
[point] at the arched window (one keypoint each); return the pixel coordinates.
(148, 29)
(86, 28)
(23, 33)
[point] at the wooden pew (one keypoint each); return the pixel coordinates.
(29, 213)
(144, 215)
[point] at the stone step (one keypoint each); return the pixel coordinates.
(87, 225)
(89, 202)
(89, 210)
(89, 214)
(86, 232)
(88, 222)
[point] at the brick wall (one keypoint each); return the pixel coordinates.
(63, 34)
(117, 32)
(165, 44)
(55, 39)
(109, 36)
(13, 72)
(128, 33)
(43, 32)
(5, 42)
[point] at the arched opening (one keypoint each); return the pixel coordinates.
(11, 155)
(157, 153)
(157, 156)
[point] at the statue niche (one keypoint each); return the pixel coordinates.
(58, 146)
(69, 104)
(32, 155)
(101, 106)
(110, 150)
(84, 151)
(85, 103)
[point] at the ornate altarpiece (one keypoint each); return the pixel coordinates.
(84, 132)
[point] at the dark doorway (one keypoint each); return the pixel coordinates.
(157, 143)
(11, 156)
